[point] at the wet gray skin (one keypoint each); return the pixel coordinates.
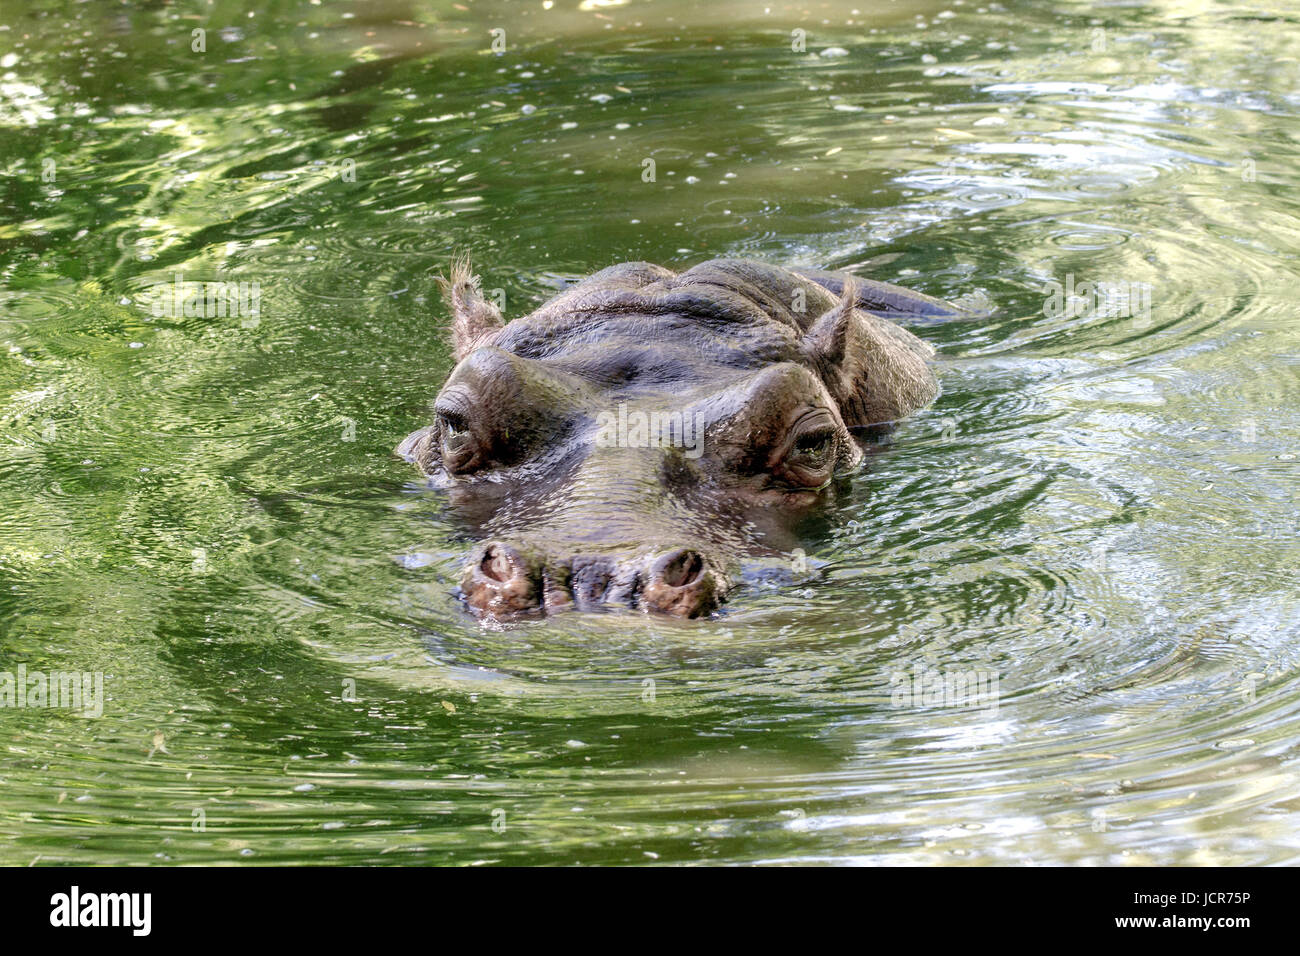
(629, 442)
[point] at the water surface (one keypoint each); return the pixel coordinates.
(1099, 513)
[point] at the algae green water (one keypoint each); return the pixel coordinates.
(1096, 521)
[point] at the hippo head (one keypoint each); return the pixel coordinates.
(629, 441)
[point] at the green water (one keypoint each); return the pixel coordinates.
(1099, 511)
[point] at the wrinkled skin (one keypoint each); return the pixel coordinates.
(777, 371)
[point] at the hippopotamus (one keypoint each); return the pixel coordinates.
(633, 440)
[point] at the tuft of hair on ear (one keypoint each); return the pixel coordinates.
(875, 370)
(475, 321)
(825, 343)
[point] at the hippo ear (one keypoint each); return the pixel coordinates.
(417, 448)
(474, 320)
(875, 370)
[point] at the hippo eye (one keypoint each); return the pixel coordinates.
(814, 448)
(457, 442)
(810, 457)
(453, 426)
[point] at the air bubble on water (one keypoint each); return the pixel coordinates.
(975, 301)
(600, 98)
(833, 51)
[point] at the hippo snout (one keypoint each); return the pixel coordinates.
(504, 580)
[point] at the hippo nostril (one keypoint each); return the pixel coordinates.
(505, 582)
(681, 569)
(680, 584)
(497, 564)
(502, 582)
